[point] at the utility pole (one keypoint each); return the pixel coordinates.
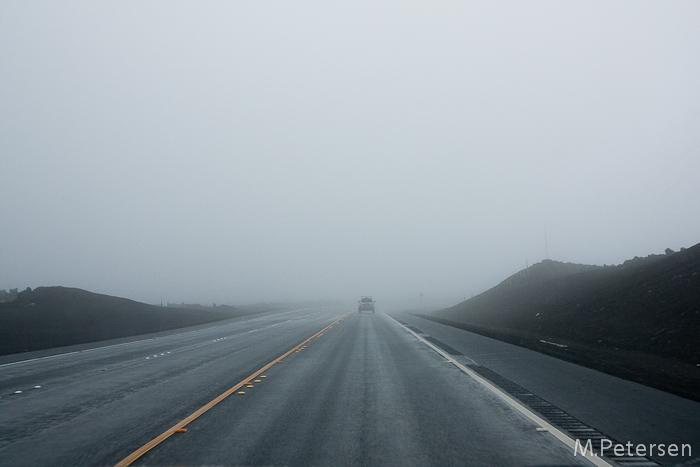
(546, 247)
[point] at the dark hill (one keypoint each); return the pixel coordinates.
(58, 316)
(546, 271)
(639, 320)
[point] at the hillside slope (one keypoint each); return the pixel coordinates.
(639, 320)
(58, 316)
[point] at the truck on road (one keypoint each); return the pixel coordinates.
(365, 304)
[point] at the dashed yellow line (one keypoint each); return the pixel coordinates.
(180, 427)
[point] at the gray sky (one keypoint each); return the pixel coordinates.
(242, 151)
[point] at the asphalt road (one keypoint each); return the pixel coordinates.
(364, 392)
(621, 409)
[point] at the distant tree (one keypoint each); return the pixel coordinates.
(8, 296)
(669, 251)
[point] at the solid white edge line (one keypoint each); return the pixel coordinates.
(560, 435)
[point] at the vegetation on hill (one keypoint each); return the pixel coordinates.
(49, 317)
(639, 320)
(6, 296)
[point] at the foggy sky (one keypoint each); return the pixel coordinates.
(243, 151)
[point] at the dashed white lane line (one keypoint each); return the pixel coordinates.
(164, 354)
(105, 347)
(560, 435)
(20, 362)
(20, 391)
(94, 349)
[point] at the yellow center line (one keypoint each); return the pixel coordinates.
(128, 460)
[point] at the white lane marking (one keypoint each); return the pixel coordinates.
(114, 345)
(554, 343)
(19, 391)
(68, 353)
(560, 435)
(98, 348)
(20, 362)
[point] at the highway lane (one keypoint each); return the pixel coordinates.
(366, 392)
(91, 407)
(621, 409)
